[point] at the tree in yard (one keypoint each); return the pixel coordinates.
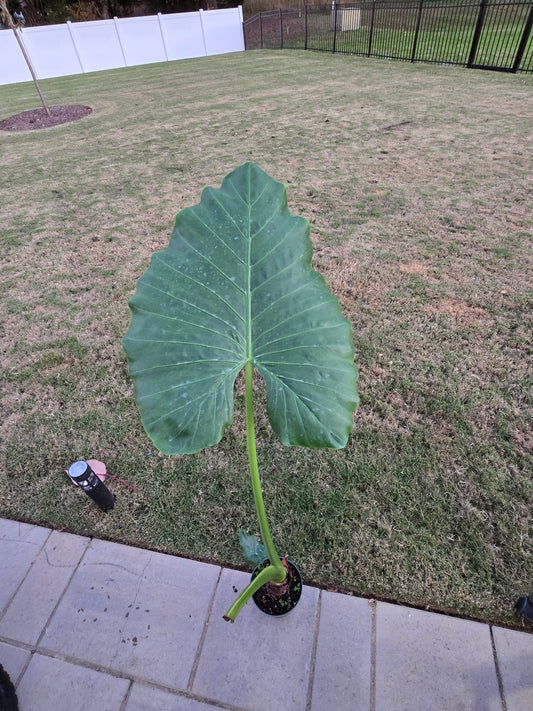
(7, 20)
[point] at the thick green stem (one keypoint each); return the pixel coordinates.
(265, 576)
(254, 473)
(275, 571)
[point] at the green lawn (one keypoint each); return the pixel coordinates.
(441, 34)
(415, 179)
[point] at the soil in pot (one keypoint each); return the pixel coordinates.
(274, 599)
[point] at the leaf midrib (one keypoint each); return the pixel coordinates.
(249, 353)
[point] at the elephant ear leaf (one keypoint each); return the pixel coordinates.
(235, 285)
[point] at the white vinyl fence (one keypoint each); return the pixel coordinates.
(75, 48)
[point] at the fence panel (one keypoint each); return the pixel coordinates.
(51, 50)
(293, 28)
(270, 28)
(13, 66)
(88, 35)
(320, 32)
(500, 34)
(393, 30)
(524, 56)
(446, 32)
(222, 30)
(527, 62)
(182, 35)
(252, 32)
(141, 40)
(73, 48)
(492, 34)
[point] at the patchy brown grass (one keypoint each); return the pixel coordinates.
(416, 181)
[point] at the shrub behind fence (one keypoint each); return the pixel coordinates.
(487, 34)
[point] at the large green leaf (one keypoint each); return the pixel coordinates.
(235, 284)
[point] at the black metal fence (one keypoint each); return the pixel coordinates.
(486, 34)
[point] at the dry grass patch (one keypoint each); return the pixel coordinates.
(416, 181)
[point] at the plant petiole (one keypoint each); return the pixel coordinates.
(276, 571)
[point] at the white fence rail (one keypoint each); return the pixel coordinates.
(79, 47)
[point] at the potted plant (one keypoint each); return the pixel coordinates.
(235, 289)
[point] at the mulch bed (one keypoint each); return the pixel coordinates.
(38, 118)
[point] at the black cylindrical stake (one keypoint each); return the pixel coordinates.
(524, 607)
(82, 474)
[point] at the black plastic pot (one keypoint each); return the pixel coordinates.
(275, 600)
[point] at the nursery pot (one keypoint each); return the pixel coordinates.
(272, 600)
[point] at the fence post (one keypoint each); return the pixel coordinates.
(334, 26)
(305, 43)
(117, 30)
(477, 32)
(523, 42)
(417, 30)
(75, 45)
(201, 16)
(280, 29)
(160, 20)
(371, 28)
(261, 29)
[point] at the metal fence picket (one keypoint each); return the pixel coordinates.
(484, 34)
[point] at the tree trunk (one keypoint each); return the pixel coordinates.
(8, 22)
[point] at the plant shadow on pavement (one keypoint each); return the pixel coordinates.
(415, 180)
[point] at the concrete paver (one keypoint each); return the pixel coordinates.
(515, 661)
(259, 662)
(88, 625)
(54, 685)
(430, 661)
(21, 544)
(147, 698)
(28, 612)
(134, 611)
(342, 676)
(13, 659)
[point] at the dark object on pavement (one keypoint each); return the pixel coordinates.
(8, 697)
